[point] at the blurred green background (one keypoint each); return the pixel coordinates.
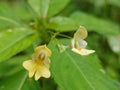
(100, 17)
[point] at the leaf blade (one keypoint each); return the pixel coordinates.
(56, 6)
(14, 41)
(62, 24)
(40, 7)
(18, 81)
(77, 72)
(98, 25)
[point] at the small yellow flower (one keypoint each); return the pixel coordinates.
(40, 63)
(78, 44)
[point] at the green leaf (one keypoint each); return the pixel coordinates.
(14, 14)
(93, 23)
(18, 81)
(74, 72)
(22, 12)
(14, 41)
(4, 19)
(62, 24)
(56, 6)
(12, 65)
(48, 8)
(40, 6)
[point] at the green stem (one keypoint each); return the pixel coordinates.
(64, 36)
(58, 34)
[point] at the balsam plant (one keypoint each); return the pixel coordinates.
(57, 55)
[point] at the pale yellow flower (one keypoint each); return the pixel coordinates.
(78, 43)
(40, 63)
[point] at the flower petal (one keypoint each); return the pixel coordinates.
(42, 71)
(38, 75)
(39, 70)
(44, 49)
(81, 33)
(82, 51)
(81, 43)
(46, 73)
(73, 43)
(78, 43)
(35, 56)
(30, 66)
(47, 62)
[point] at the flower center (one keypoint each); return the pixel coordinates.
(40, 59)
(79, 48)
